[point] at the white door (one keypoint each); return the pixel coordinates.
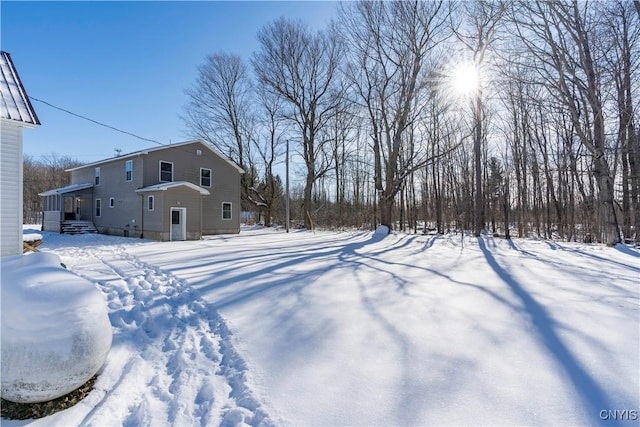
(178, 223)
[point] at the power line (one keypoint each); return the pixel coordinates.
(111, 127)
(95, 121)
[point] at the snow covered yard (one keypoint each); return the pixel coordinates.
(356, 329)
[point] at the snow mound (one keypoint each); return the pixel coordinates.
(31, 237)
(381, 231)
(56, 332)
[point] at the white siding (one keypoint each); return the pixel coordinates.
(10, 188)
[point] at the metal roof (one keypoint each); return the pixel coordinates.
(14, 101)
(68, 189)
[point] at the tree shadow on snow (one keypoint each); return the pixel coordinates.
(626, 250)
(592, 395)
(272, 265)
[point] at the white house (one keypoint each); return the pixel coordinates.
(16, 112)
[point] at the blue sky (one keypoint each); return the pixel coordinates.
(125, 64)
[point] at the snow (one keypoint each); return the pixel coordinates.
(270, 328)
(381, 230)
(31, 237)
(55, 329)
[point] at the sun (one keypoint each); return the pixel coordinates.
(465, 79)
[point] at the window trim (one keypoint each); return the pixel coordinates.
(160, 162)
(97, 208)
(128, 170)
(230, 211)
(96, 176)
(210, 177)
(151, 201)
(112, 202)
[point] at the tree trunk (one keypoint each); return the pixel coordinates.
(606, 201)
(308, 189)
(477, 144)
(386, 211)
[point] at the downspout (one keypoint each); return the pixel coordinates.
(142, 201)
(142, 216)
(201, 213)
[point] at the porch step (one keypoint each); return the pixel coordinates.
(77, 227)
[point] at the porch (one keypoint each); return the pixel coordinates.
(68, 209)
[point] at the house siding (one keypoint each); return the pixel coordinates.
(153, 220)
(10, 188)
(51, 221)
(183, 198)
(131, 217)
(225, 182)
(225, 187)
(125, 218)
(186, 163)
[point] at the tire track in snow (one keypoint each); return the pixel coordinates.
(181, 364)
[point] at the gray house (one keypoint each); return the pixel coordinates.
(174, 192)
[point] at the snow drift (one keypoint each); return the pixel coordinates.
(381, 231)
(56, 332)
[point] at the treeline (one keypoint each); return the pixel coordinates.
(511, 117)
(40, 175)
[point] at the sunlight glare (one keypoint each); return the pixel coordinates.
(464, 78)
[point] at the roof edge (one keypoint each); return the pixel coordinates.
(23, 92)
(163, 147)
(167, 185)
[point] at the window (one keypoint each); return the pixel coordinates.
(128, 170)
(226, 210)
(97, 175)
(98, 207)
(112, 202)
(150, 203)
(175, 217)
(205, 177)
(166, 171)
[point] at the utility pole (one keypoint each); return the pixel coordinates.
(287, 190)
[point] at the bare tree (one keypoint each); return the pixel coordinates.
(391, 43)
(482, 19)
(219, 111)
(269, 146)
(301, 68)
(620, 46)
(41, 175)
(558, 35)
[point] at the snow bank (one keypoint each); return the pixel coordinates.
(381, 231)
(56, 331)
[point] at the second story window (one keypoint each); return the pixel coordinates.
(128, 170)
(97, 175)
(166, 171)
(205, 177)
